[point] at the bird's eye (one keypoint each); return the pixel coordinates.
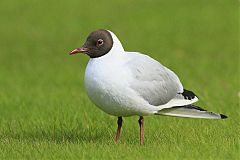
(100, 42)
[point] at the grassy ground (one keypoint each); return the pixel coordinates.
(46, 114)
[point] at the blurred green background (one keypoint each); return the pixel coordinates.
(45, 112)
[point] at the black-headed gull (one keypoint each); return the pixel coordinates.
(125, 83)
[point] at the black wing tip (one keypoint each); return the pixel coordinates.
(223, 116)
(189, 95)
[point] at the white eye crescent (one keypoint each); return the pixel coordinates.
(100, 42)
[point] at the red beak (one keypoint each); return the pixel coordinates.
(78, 50)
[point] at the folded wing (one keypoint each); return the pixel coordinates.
(151, 80)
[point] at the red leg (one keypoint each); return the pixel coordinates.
(141, 122)
(119, 122)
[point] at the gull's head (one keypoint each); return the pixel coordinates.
(99, 43)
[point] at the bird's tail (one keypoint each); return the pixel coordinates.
(190, 111)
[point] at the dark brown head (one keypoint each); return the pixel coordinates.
(98, 43)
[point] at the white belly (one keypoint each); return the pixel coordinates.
(107, 87)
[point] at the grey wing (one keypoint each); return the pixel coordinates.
(151, 80)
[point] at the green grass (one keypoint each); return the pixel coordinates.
(46, 114)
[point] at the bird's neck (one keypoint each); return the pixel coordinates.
(117, 45)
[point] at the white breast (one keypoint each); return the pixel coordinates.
(103, 86)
